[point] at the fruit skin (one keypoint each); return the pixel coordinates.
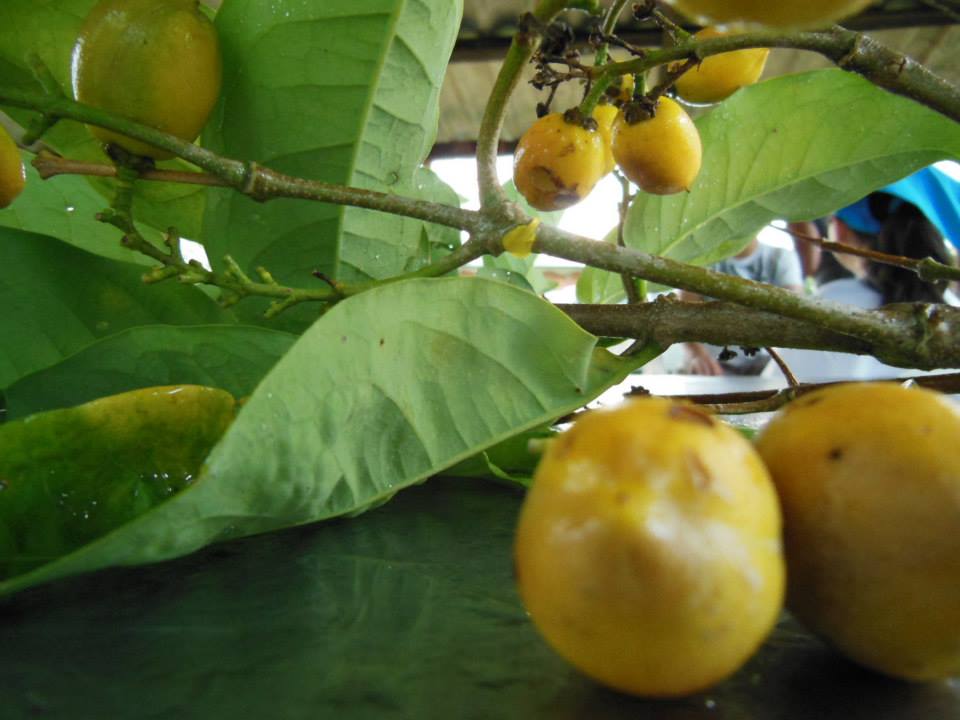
(605, 115)
(719, 76)
(557, 163)
(782, 13)
(648, 549)
(869, 479)
(153, 61)
(13, 176)
(661, 155)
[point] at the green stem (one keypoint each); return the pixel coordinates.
(852, 51)
(258, 182)
(488, 138)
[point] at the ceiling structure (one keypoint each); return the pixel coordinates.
(926, 30)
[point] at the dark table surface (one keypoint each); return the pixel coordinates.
(409, 611)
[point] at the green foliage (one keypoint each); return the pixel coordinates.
(393, 385)
(358, 106)
(231, 357)
(66, 208)
(57, 299)
(370, 400)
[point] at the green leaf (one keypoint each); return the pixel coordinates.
(231, 357)
(70, 476)
(355, 104)
(57, 299)
(436, 240)
(388, 388)
(796, 147)
(65, 207)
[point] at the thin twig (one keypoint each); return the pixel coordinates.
(927, 268)
(784, 368)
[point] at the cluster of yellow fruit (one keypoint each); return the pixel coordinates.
(656, 543)
(562, 157)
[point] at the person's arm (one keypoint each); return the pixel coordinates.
(808, 252)
(700, 361)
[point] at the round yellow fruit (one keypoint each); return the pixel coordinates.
(772, 13)
(557, 163)
(869, 479)
(605, 115)
(13, 176)
(717, 77)
(648, 548)
(662, 154)
(156, 62)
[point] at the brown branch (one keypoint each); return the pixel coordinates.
(741, 403)
(49, 165)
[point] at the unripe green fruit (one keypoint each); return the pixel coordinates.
(156, 62)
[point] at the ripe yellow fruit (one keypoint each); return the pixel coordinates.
(13, 176)
(557, 163)
(605, 116)
(153, 61)
(719, 76)
(779, 13)
(869, 479)
(662, 154)
(648, 549)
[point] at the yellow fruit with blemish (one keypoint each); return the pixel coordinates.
(648, 548)
(869, 480)
(660, 154)
(772, 13)
(13, 177)
(557, 163)
(156, 62)
(719, 76)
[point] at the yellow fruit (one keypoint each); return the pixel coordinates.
(605, 115)
(773, 13)
(153, 61)
(662, 154)
(648, 549)
(869, 479)
(13, 177)
(719, 76)
(557, 163)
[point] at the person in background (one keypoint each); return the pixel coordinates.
(760, 262)
(911, 218)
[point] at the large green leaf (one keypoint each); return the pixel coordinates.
(387, 389)
(332, 90)
(57, 299)
(796, 147)
(49, 29)
(232, 357)
(70, 476)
